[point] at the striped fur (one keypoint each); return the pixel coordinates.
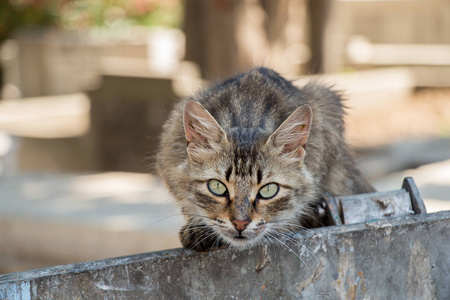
(248, 131)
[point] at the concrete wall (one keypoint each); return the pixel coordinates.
(127, 114)
(419, 22)
(51, 61)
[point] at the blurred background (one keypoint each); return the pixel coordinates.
(87, 84)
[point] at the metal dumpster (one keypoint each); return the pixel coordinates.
(396, 252)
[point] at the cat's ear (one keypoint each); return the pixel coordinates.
(293, 133)
(201, 129)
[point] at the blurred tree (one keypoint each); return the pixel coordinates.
(83, 14)
(225, 37)
(319, 11)
(22, 13)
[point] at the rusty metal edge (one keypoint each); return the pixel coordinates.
(332, 209)
(416, 200)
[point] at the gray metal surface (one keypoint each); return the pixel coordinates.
(359, 208)
(416, 200)
(355, 209)
(394, 258)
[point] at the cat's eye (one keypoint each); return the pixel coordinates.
(268, 191)
(217, 188)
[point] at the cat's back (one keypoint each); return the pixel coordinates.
(259, 101)
(251, 106)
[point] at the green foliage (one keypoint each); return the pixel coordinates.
(83, 14)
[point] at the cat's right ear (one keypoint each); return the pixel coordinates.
(201, 129)
(293, 133)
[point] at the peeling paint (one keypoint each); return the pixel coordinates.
(349, 282)
(263, 260)
(301, 286)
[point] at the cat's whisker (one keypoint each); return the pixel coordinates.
(208, 235)
(148, 225)
(296, 241)
(217, 241)
(281, 223)
(289, 248)
(200, 216)
(192, 231)
(271, 243)
(161, 242)
(195, 225)
(286, 236)
(277, 241)
(193, 228)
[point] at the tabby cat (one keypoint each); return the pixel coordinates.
(252, 156)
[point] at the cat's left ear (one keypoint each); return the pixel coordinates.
(201, 129)
(293, 133)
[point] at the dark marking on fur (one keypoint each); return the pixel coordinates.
(228, 173)
(205, 201)
(259, 176)
(283, 203)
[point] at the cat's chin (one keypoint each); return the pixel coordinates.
(240, 242)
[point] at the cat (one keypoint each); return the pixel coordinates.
(252, 156)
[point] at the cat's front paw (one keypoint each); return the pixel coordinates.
(199, 239)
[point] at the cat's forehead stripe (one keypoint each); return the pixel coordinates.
(228, 173)
(259, 176)
(245, 158)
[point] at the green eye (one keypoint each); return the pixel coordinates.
(216, 187)
(268, 191)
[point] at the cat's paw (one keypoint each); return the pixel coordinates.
(199, 239)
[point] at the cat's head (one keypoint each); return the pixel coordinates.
(245, 192)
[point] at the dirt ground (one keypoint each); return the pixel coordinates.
(426, 114)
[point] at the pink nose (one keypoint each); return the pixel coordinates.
(240, 225)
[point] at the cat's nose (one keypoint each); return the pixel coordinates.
(240, 225)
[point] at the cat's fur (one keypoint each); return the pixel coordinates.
(233, 133)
